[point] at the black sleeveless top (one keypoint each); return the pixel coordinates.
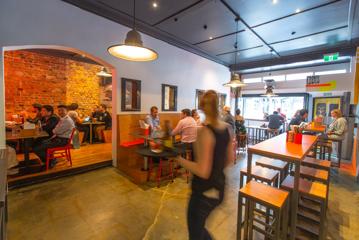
(217, 177)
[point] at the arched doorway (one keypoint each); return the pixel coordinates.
(75, 54)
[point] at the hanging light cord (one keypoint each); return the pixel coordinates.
(134, 14)
(236, 44)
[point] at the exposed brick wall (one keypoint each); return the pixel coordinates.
(82, 85)
(31, 77)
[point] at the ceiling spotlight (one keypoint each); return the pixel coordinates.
(294, 32)
(154, 4)
(104, 73)
(274, 1)
(210, 38)
(309, 39)
(297, 10)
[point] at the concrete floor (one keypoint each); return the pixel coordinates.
(104, 204)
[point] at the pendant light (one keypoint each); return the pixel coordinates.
(104, 73)
(133, 49)
(235, 81)
(269, 87)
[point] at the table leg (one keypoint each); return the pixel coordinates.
(90, 133)
(145, 163)
(26, 152)
(294, 199)
(249, 166)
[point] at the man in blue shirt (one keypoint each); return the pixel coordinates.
(153, 119)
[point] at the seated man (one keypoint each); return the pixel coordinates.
(49, 119)
(187, 127)
(300, 117)
(78, 120)
(153, 120)
(61, 134)
(228, 118)
(36, 111)
(103, 116)
(275, 121)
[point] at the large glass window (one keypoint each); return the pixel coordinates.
(258, 107)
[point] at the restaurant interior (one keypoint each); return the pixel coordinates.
(193, 119)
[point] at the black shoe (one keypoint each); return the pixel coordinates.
(53, 163)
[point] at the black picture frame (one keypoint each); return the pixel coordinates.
(130, 95)
(199, 94)
(172, 103)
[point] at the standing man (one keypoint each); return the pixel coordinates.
(228, 118)
(61, 134)
(153, 119)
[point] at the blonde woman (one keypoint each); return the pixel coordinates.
(213, 151)
(338, 127)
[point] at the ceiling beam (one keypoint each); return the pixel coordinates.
(249, 28)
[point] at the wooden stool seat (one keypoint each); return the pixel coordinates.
(278, 165)
(263, 174)
(314, 174)
(316, 163)
(264, 194)
(306, 187)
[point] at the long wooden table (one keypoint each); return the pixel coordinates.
(278, 148)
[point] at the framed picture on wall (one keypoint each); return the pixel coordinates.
(199, 95)
(130, 95)
(169, 97)
(322, 106)
(221, 100)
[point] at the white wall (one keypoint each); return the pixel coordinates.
(53, 22)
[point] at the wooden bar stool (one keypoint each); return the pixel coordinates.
(261, 174)
(273, 222)
(160, 169)
(312, 206)
(278, 165)
(316, 163)
(314, 174)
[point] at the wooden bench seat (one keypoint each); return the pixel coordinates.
(274, 164)
(314, 174)
(313, 189)
(316, 163)
(262, 174)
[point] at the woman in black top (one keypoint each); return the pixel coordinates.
(213, 151)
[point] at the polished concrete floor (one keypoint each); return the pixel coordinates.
(104, 204)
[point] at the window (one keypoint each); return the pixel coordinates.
(331, 72)
(258, 107)
(252, 80)
(298, 76)
(278, 78)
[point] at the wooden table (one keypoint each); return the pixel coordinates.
(316, 129)
(90, 126)
(278, 148)
(26, 137)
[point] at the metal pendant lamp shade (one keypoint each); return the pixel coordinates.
(269, 93)
(104, 73)
(235, 81)
(133, 49)
(269, 87)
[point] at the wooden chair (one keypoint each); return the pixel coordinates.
(278, 165)
(60, 152)
(261, 174)
(312, 206)
(273, 222)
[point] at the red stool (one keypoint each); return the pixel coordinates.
(60, 152)
(159, 170)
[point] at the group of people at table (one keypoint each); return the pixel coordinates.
(59, 128)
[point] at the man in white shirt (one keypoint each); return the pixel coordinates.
(61, 135)
(187, 127)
